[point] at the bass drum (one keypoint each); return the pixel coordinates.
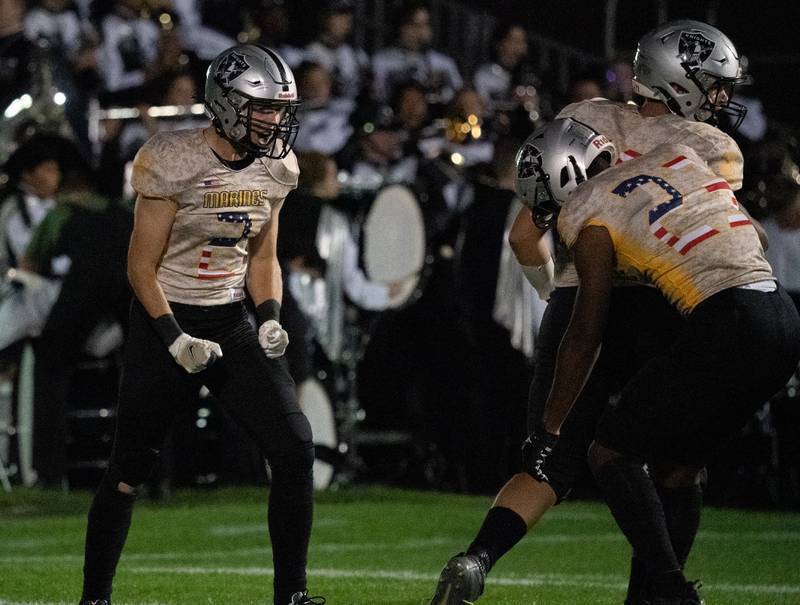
(316, 405)
(393, 245)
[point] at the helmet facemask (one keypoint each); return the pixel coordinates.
(712, 87)
(266, 138)
(261, 138)
(545, 207)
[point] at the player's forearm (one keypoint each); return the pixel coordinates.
(576, 358)
(142, 277)
(533, 253)
(528, 242)
(264, 280)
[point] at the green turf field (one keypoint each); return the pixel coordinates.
(374, 546)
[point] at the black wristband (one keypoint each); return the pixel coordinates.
(167, 328)
(267, 310)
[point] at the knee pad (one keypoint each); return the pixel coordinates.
(292, 463)
(599, 455)
(561, 485)
(293, 454)
(680, 477)
(560, 470)
(131, 468)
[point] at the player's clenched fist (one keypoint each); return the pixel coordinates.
(273, 338)
(194, 354)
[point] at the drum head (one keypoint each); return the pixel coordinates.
(316, 405)
(394, 237)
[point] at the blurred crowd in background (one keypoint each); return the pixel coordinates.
(427, 380)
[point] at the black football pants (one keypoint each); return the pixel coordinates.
(257, 392)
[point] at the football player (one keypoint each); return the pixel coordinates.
(206, 224)
(668, 218)
(685, 72)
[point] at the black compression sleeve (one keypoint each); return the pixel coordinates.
(269, 309)
(167, 328)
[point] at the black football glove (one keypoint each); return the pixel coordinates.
(543, 218)
(535, 451)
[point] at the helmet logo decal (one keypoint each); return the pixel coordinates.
(231, 67)
(528, 161)
(694, 48)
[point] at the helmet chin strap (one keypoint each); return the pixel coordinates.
(659, 94)
(240, 150)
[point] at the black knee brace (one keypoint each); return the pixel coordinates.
(292, 456)
(679, 477)
(560, 474)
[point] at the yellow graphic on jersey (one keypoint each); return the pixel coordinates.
(635, 260)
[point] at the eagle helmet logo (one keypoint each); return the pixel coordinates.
(694, 48)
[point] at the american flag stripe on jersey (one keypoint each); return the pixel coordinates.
(738, 220)
(661, 233)
(685, 243)
(202, 270)
(677, 163)
(718, 185)
(628, 154)
(658, 230)
(694, 237)
(204, 258)
(206, 274)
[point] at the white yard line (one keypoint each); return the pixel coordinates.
(533, 579)
(7, 602)
(4, 602)
(533, 539)
(31, 543)
(597, 581)
(260, 528)
(225, 554)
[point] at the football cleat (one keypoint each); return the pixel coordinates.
(96, 602)
(461, 581)
(690, 596)
(302, 598)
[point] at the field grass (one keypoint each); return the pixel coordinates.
(374, 546)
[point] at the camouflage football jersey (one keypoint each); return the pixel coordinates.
(633, 135)
(219, 210)
(674, 222)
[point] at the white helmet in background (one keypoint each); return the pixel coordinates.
(554, 160)
(249, 78)
(686, 64)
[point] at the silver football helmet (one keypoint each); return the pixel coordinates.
(554, 160)
(244, 86)
(692, 67)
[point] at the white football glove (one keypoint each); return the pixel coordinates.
(273, 338)
(194, 354)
